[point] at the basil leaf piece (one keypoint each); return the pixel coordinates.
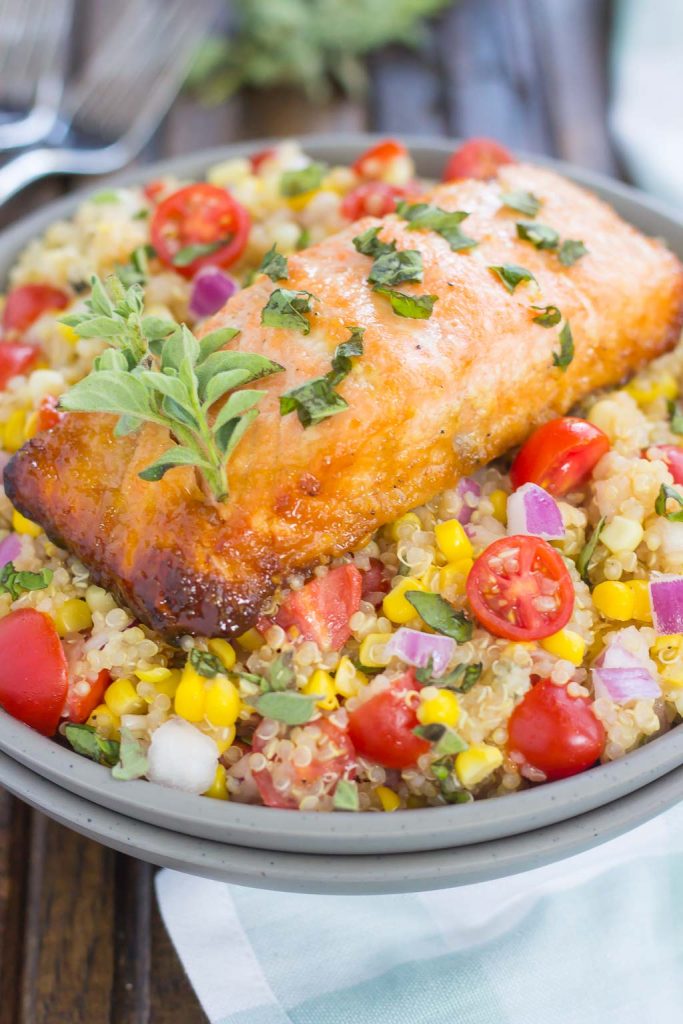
(87, 742)
(316, 400)
(136, 271)
(675, 417)
(132, 762)
(189, 253)
(440, 615)
(588, 550)
(445, 223)
(462, 678)
(571, 251)
(540, 235)
(665, 493)
(296, 183)
(15, 583)
(206, 664)
(511, 274)
(304, 239)
(549, 316)
(288, 707)
(415, 307)
(281, 675)
(446, 741)
(107, 196)
(286, 308)
(563, 358)
(274, 265)
(524, 202)
(368, 244)
(396, 266)
(341, 360)
(346, 796)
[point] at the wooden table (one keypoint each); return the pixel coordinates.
(81, 941)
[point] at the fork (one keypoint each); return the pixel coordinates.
(126, 88)
(32, 58)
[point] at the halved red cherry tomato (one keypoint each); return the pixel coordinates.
(154, 189)
(256, 159)
(27, 302)
(33, 670)
(80, 705)
(672, 454)
(376, 160)
(560, 455)
(375, 582)
(204, 216)
(284, 783)
(49, 414)
(15, 358)
(382, 727)
(554, 732)
(322, 608)
(477, 158)
(519, 588)
(373, 199)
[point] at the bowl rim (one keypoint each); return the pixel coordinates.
(280, 830)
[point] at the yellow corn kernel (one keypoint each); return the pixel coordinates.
(156, 674)
(302, 200)
(371, 652)
(455, 575)
(398, 527)
(622, 534)
(614, 600)
(472, 766)
(452, 540)
(31, 426)
(122, 698)
(668, 645)
(170, 684)
(389, 800)
(251, 640)
(565, 644)
(429, 576)
(641, 600)
(222, 704)
(14, 430)
(347, 679)
(395, 606)
(72, 616)
(23, 525)
(499, 500)
(646, 391)
(218, 790)
(438, 707)
(224, 651)
(190, 697)
(321, 682)
(225, 741)
(67, 333)
(105, 722)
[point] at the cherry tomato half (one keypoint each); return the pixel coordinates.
(560, 455)
(49, 414)
(519, 588)
(672, 455)
(15, 358)
(202, 216)
(322, 608)
(382, 727)
(375, 162)
(373, 199)
(375, 582)
(334, 757)
(29, 301)
(259, 158)
(477, 158)
(79, 706)
(33, 670)
(554, 732)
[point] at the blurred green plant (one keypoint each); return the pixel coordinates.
(310, 44)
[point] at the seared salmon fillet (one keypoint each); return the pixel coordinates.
(428, 401)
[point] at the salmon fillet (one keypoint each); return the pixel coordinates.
(428, 401)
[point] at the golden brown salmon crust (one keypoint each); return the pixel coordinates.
(428, 401)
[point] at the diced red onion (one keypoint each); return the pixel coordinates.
(466, 486)
(531, 510)
(211, 289)
(666, 598)
(418, 649)
(622, 677)
(10, 547)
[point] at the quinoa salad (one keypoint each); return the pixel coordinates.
(521, 627)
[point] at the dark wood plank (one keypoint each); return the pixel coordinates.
(406, 95)
(130, 1001)
(172, 1000)
(14, 836)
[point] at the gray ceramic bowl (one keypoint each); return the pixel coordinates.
(405, 833)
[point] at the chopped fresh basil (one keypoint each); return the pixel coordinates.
(136, 270)
(288, 707)
(296, 183)
(445, 223)
(675, 417)
(274, 265)
(205, 663)
(588, 550)
(15, 583)
(415, 307)
(189, 253)
(316, 400)
(563, 358)
(665, 493)
(286, 308)
(396, 266)
(548, 316)
(368, 244)
(524, 202)
(540, 235)
(108, 196)
(132, 762)
(511, 274)
(281, 675)
(87, 742)
(341, 360)
(440, 615)
(446, 741)
(141, 215)
(570, 251)
(346, 796)
(304, 239)
(462, 678)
